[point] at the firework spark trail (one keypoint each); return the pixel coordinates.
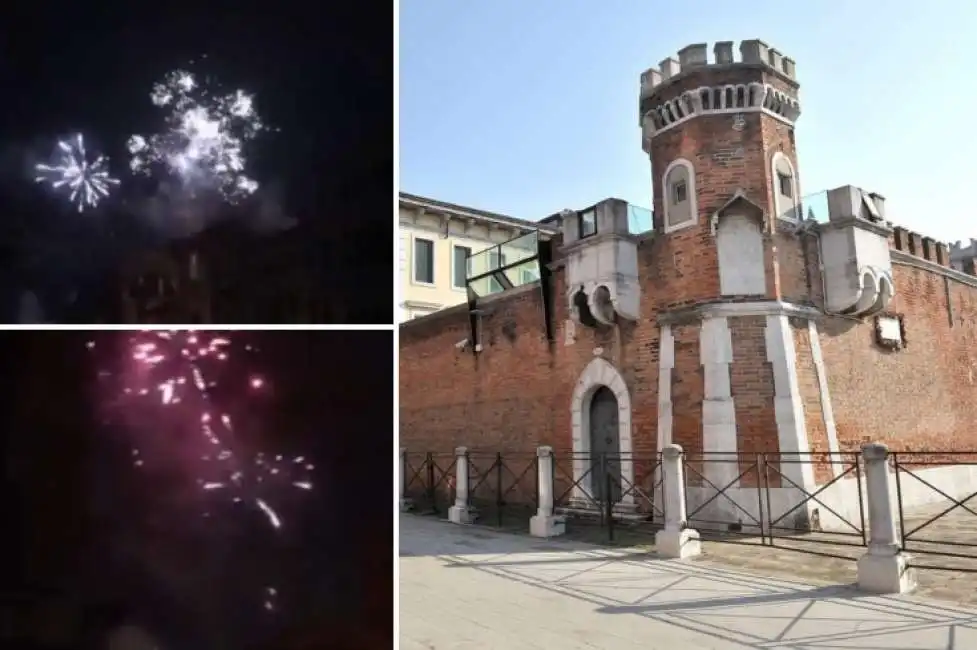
(88, 182)
(183, 358)
(203, 144)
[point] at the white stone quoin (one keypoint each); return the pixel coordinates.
(718, 410)
(460, 513)
(788, 407)
(675, 540)
(884, 569)
(544, 523)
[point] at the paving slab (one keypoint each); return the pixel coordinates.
(467, 587)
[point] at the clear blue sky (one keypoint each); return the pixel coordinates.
(527, 107)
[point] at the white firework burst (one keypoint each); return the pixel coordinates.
(88, 181)
(204, 138)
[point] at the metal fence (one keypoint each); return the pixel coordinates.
(429, 481)
(502, 488)
(764, 499)
(609, 497)
(943, 534)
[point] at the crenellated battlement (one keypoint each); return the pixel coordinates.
(728, 85)
(913, 243)
(753, 52)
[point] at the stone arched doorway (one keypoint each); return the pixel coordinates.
(601, 420)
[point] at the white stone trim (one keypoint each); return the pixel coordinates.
(667, 199)
(727, 309)
(666, 365)
(649, 133)
(718, 409)
(599, 372)
(827, 412)
(789, 410)
(775, 189)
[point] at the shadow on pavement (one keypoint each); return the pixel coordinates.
(750, 610)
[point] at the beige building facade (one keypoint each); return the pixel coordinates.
(443, 244)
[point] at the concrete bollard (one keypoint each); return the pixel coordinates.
(675, 540)
(884, 569)
(544, 523)
(460, 513)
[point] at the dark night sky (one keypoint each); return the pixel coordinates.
(331, 393)
(322, 72)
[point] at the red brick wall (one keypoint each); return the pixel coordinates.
(505, 398)
(688, 390)
(922, 397)
(517, 393)
(752, 388)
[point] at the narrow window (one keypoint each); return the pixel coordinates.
(587, 224)
(462, 265)
(786, 185)
(680, 192)
(423, 261)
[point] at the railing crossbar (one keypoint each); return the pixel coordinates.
(483, 476)
(813, 497)
(575, 484)
(722, 492)
(956, 504)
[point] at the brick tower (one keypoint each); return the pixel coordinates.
(720, 136)
(736, 292)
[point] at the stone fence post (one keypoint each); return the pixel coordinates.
(405, 503)
(884, 569)
(545, 523)
(460, 513)
(675, 540)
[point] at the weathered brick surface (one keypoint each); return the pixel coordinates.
(687, 390)
(751, 384)
(922, 397)
(733, 160)
(789, 269)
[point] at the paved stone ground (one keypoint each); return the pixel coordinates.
(819, 558)
(794, 557)
(468, 588)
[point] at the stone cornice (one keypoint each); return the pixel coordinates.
(419, 204)
(728, 309)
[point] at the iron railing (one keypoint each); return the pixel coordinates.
(503, 488)
(945, 533)
(429, 481)
(762, 498)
